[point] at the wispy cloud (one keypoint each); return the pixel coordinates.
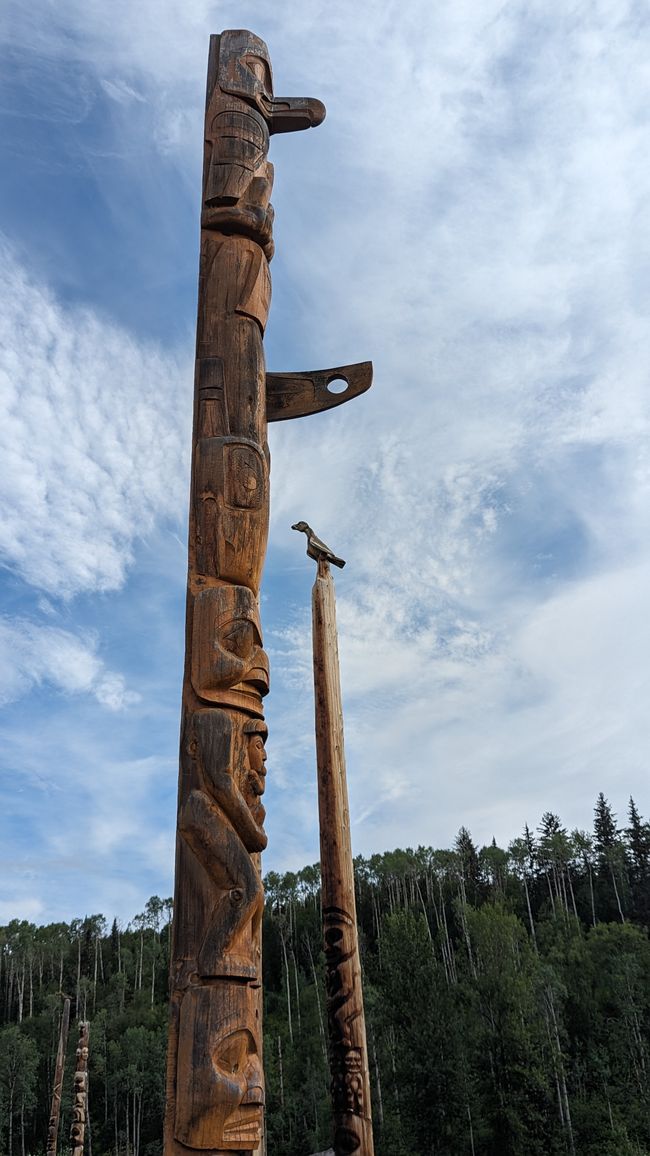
(30, 908)
(473, 216)
(92, 436)
(32, 654)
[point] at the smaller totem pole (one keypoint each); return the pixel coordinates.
(80, 1101)
(55, 1110)
(350, 1086)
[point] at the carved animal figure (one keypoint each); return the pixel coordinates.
(316, 548)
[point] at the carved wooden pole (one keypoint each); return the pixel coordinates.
(80, 1100)
(55, 1110)
(345, 1016)
(215, 1086)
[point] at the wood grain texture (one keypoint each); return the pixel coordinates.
(80, 1094)
(290, 395)
(215, 1088)
(345, 1014)
(55, 1109)
(215, 1085)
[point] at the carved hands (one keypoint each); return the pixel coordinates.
(252, 217)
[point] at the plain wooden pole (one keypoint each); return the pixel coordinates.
(55, 1109)
(346, 1022)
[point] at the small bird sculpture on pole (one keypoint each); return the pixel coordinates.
(348, 1051)
(317, 549)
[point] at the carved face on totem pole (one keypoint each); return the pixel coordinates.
(215, 1085)
(78, 1125)
(222, 823)
(225, 1104)
(255, 770)
(242, 115)
(229, 666)
(244, 70)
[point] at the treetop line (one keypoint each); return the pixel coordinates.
(493, 950)
(486, 939)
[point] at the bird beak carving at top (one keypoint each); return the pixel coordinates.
(245, 72)
(242, 114)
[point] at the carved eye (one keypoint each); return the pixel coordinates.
(237, 638)
(232, 1056)
(260, 70)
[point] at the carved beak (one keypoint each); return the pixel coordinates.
(290, 114)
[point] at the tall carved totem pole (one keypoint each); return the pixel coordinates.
(215, 1085)
(80, 1100)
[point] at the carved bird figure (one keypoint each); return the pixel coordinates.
(317, 549)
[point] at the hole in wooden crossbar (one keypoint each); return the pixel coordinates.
(337, 385)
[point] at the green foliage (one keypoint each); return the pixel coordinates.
(507, 1002)
(18, 1068)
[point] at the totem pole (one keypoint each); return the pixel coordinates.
(350, 1082)
(215, 1086)
(80, 1100)
(55, 1110)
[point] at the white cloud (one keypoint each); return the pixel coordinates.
(30, 908)
(118, 799)
(32, 654)
(92, 436)
(473, 216)
(121, 92)
(73, 770)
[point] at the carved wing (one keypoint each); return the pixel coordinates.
(299, 394)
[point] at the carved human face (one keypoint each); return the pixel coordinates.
(226, 1085)
(255, 776)
(240, 1079)
(257, 763)
(227, 643)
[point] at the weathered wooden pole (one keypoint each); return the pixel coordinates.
(350, 1082)
(215, 1085)
(55, 1109)
(80, 1095)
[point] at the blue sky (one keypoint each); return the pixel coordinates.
(473, 215)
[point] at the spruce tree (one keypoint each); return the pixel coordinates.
(638, 848)
(470, 867)
(609, 849)
(606, 832)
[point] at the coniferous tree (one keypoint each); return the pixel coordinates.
(638, 845)
(470, 867)
(610, 855)
(499, 1023)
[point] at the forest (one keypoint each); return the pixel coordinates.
(507, 1001)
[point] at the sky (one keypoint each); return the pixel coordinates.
(474, 217)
